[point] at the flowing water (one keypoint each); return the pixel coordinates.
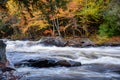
(98, 63)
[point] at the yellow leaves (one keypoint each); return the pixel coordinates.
(80, 2)
(12, 7)
(91, 8)
(72, 7)
(90, 11)
(65, 13)
(40, 23)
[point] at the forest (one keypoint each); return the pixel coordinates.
(32, 19)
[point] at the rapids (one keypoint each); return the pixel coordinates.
(98, 63)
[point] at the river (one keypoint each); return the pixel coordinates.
(98, 63)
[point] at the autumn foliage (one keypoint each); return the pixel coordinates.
(82, 18)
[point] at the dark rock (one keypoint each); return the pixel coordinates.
(74, 63)
(63, 63)
(7, 69)
(3, 59)
(68, 63)
(43, 63)
(47, 63)
(36, 63)
(118, 71)
(53, 41)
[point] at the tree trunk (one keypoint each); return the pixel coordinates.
(58, 28)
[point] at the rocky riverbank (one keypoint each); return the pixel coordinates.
(6, 73)
(73, 42)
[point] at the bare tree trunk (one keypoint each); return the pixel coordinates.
(53, 28)
(57, 23)
(58, 28)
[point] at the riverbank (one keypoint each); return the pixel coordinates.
(75, 41)
(78, 42)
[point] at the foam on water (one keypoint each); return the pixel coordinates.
(101, 60)
(22, 50)
(84, 55)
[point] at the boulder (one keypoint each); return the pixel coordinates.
(41, 63)
(53, 41)
(80, 42)
(36, 63)
(86, 42)
(3, 58)
(63, 63)
(74, 42)
(47, 63)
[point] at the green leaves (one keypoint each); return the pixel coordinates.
(111, 25)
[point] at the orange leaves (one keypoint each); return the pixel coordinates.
(45, 1)
(51, 17)
(72, 6)
(48, 32)
(115, 39)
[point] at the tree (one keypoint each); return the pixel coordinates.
(49, 9)
(111, 25)
(90, 13)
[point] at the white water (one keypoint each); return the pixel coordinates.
(21, 50)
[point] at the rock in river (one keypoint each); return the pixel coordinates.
(53, 41)
(80, 42)
(68, 63)
(47, 63)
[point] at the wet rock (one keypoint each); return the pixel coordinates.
(53, 41)
(4, 62)
(42, 63)
(117, 71)
(63, 63)
(36, 63)
(60, 42)
(68, 63)
(74, 63)
(47, 63)
(3, 59)
(80, 42)
(7, 69)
